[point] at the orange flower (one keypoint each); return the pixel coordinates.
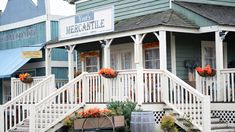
(200, 70)
(208, 69)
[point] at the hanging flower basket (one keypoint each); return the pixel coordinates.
(206, 72)
(26, 78)
(108, 73)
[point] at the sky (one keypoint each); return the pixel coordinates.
(58, 7)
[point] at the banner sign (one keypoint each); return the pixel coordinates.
(32, 54)
(87, 23)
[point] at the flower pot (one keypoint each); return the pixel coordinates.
(28, 80)
(99, 123)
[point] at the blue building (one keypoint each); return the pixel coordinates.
(26, 27)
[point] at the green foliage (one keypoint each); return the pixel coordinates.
(123, 108)
(168, 123)
(188, 122)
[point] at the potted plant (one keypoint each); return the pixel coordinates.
(168, 123)
(108, 73)
(26, 78)
(206, 72)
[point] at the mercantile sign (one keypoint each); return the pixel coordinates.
(87, 23)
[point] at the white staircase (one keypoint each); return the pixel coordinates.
(39, 109)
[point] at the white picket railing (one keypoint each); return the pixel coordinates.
(121, 88)
(186, 100)
(60, 82)
(55, 107)
(17, 110)
(207, 86)
(18, 87)
(228, 84)
(152, 85)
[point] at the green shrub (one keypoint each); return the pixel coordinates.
(168, 123)
(125, 109)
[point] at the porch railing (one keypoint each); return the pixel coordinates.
(207, 86)
(228, 84)
(224, 93)
(60, 82)
(18, 87)
(17, 110)
(152, 85)
(121, 88)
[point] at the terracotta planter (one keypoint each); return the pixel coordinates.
(99, 123)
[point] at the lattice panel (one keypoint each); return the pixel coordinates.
(227, 116)
(158, 116)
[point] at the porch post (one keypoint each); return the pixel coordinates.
(107, 52)
(162, 50)
(48, 61)
(138, 51)
(70, 50)
(219, 63)
(173, 54)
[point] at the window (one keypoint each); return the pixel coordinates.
(126, 60)
(121, 60)
(91, 64)
(209, 55)
(152, 60)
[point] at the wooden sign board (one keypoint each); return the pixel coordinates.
(32, 54)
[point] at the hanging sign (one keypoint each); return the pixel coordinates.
(87, 23)
(32, 54)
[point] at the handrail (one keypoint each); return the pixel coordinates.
(185, 100)
(26, 92)
(17, 110)
(58, 105)
(187, 86)
(18, 87)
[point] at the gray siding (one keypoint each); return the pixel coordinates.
(126, 8)
(187, 48)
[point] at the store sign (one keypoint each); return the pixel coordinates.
(87, 23)
(32, 54)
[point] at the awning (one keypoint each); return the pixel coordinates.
(12, 60)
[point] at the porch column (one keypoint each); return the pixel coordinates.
(48, 61)
(70, 50)
(163, 64)
(162, 50)
(138, 56)
(219, 63)
(106, 51)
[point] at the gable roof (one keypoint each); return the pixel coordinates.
(222, 15)
(19, 10)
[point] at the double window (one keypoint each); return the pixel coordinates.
(121, 60)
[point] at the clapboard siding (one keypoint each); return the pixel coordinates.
(60, 72)
(187, 48)
(59, 54)
(25, 36)
(125, 8)
(54, 30)
(216, 2)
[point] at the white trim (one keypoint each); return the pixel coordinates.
(173, 54)
(23, 23)
(121, 34)
(29, 22)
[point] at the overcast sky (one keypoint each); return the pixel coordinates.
(58, 7)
